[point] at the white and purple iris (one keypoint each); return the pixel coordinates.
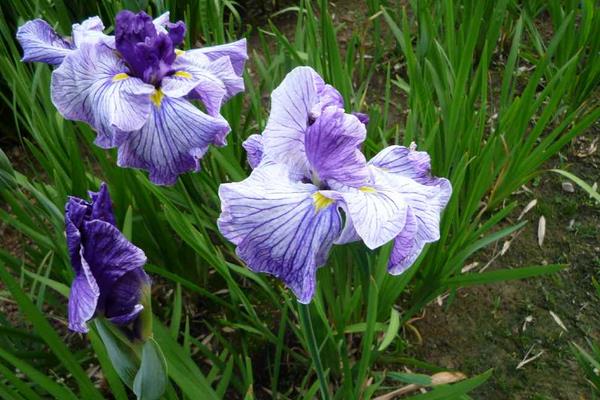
(284, 218)
(135, 88)
(109, 274)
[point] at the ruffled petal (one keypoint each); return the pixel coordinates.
(83, 299)
(235, 51)
(91, 30)
(333, 148)
(109, 255)
(41, 43)
(377, 214)
(254, 149)
(173, 140)
(92, 85)
(291, 104)
(280, 227)
(123, 304)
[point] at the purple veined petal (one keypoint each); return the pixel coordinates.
(280, 227)
(173, 140)
(109, 255)
(102, 205)
(91, 30)
(219, 81)
(122, 305)
(407, 246)
(426, 201)
(236, 51)
(377, 214)
(75, 212)
(333, 148)
(328, 97)
(92, 85)
(41, 43)
(291, 104)
(254, 149)
(410, 163)
(83, 298)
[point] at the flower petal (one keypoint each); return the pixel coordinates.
(175, 137)
(109, 255)
(91, 30)
(280, 227)
(235, 51)
(83, 299)
(333, 148)
(41, 43)
(407, 246)
(216, 79)
(377, 214)
(102, 205)
(254, 149)
(92, 85)
(123, 304)
(291, 104)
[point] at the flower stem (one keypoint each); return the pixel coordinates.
(304, 311)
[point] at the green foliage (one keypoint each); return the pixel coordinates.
(479, 85)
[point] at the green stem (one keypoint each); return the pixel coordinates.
(304, 311)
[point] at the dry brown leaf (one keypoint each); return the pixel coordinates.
(527, 208)
(541, 230)
(441, 378)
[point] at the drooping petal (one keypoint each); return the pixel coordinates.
(173, 140)
(291, 104)
(83, 299)
(235, 51)
(91, 30)
(122, 305)
(377, 214)
(280, 227)
(41, 43)
(76, 211)
(333, 148)
(109, 255)
(407, 246)
(92, 85)
(254, 149)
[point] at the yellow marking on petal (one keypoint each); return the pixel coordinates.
(321, 201)
(367, 189)
(120, 77)
(157, 97)
(179, 52)
(183, 74)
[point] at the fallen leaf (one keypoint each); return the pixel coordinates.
(541, 230)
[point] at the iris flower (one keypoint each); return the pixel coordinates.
(109, 275)
(308, 167)
(136, 88)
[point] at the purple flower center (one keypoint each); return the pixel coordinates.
(148, 53)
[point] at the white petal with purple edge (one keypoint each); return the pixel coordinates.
(83, 298)
(235, 51)
(333, 148)
(407, 246)
(175, 137)
(41, 43)
(92, 85)
(280, 227)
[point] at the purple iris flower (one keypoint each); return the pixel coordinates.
(308, 166)
(136, 88)
(109, 274)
